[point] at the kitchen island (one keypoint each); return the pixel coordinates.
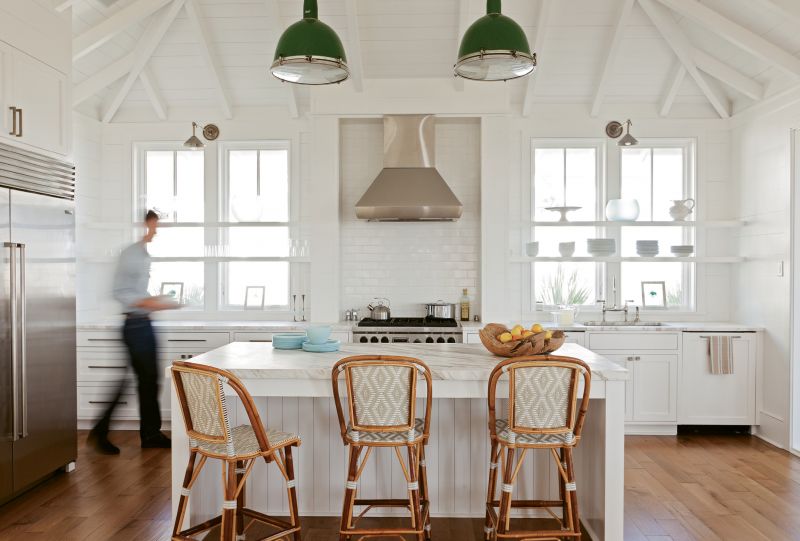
(292, 391)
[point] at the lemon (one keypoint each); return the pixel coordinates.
(517, 330)
(505, 337)
(537, 328)
(548, 335)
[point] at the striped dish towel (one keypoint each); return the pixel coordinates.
(720, 356)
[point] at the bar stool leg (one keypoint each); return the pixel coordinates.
(487, 527)
(349, 493)
(292, 490)
(572, 493)
(240, 500)
(505, 496)
(184, 499)
(228, 512)
(423, 489)
(413, 489)
(562, 492)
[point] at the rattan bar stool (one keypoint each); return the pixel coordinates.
(542, 414)
(201, 392)
(381, 400)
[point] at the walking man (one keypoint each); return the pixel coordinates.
(130, 288)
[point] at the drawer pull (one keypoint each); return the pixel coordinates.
(709, 337)
(186, 340)
(123, 402)
(267, 341)
(105, 340)
(101, 366)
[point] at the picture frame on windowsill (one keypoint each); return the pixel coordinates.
(654, 295)
(254, 297)
(173, 291)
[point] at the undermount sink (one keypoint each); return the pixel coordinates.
(623, 324)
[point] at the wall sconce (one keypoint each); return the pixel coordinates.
(210, 132)
(614, 130)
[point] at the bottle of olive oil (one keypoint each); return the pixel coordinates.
(464, 305)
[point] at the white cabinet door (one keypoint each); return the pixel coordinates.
(728, 399)
(655, 379)
(5, 92)
(628, 362)
(472, 338)
(574, 338)
(40, 92)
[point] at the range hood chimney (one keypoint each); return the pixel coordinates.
(409, 188)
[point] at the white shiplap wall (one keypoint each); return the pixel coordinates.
(410, 263)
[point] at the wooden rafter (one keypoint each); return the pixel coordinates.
(354, 59)
(611, 56)
(100, 80)
(153, 35)
(153, 93)
(209, 56)
(736, 34)
(542, 24)
(274, 15)
(106, 30)
(684, 51)
(675, 82)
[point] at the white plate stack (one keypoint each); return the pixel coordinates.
(601, 247)
(647, 248)
(682, 250)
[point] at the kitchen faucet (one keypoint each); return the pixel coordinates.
(615, 307)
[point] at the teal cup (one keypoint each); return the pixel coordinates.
(319, 334)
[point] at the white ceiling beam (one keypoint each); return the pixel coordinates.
(728, 75)
(676, 80)
(354, 58)
(274, 12)
(209, 56)
(611, 55)
(736, 34)
(103, 32)
(680, 45)
(790, 8)
(542, 24)
(153, 93)
(100, 80)
(463, 24)
(144, 50)
(65, 5)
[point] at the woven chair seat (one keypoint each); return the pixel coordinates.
(245, 443)
(362, 436)
(565, 439)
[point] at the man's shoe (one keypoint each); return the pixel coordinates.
(101, 444)
(159, 441)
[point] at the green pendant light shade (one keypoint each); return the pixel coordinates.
(309, 52)
(494, 48)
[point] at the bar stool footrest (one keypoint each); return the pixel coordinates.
(285, 528)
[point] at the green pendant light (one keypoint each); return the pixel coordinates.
(309, 52)
(494, 48)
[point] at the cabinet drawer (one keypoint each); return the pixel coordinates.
(93, 401)
(192, 340)
(636, 341)
(574, 337)
(103, 339)
(101, 364)
(260, 336)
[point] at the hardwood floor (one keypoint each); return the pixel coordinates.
(683, 488)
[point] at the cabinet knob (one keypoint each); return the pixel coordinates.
(637, 358)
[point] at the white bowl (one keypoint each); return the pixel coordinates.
(532, 249)
(622, 210)
(566, 249)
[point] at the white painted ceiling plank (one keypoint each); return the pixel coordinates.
(680, 45)
(728, 75)
(354, 58)
(790, 8)
(104, 31)
(101, 79)
(274, 11)
(672, 90)
(196, 17)
(611, 56)
(153, 93)
(542, 24)
(153, 35)
(736, 34)
(64, 6)
(463, 24)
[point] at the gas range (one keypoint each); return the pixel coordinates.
(406, 330)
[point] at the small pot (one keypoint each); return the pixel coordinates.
(440, 310)
(380, 311)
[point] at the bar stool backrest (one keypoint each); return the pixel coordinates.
(381, 393)
(201, 393)
(543, 394)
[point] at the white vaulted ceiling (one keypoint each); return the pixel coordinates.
(133, 61)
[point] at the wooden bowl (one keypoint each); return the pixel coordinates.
(535, 344)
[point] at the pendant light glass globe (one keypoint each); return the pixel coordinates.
(494, 48)
(309, 52)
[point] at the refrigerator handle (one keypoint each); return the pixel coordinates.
(12, 272)
(23, 319)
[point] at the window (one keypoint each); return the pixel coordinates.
(220, 234)
(572, 173)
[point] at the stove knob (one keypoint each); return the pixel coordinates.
(374, 339)
(440, 340)
(429, 340)
(451, 340)
(385, 340)
(364, 340)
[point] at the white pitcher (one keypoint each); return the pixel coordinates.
(681, 209)
(565, 315)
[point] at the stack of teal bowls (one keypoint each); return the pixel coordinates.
(288, 341)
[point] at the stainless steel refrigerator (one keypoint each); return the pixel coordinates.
(37, 319)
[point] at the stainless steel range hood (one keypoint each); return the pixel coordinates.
(409, 188)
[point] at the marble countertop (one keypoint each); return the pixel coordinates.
(670, 326)
(231, 325)
(459, 362)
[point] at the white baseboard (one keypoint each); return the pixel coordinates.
(645, 429)
(88, 424)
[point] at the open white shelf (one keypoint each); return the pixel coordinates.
(605, 223)
(201, 259)
(618, 259)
